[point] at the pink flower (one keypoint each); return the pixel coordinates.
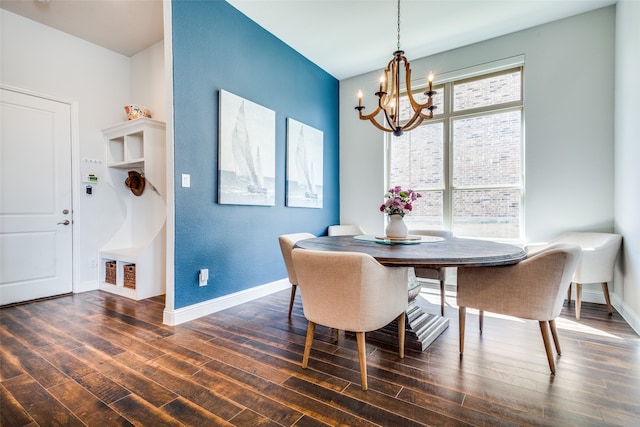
(398, 201)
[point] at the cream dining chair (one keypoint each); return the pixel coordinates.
(532, 289)
(599, 253)
(350, 291)
(345, 230)
(287, 242)
(439, 274)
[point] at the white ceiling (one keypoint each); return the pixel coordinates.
(344, 37)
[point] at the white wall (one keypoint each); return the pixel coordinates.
(627, 155)
(148, 81)
(47, 61)
(569, 138)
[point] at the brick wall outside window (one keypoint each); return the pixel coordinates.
(484, 158)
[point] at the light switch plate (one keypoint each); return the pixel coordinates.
(186, 180)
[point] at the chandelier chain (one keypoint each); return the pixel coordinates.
(398, 25)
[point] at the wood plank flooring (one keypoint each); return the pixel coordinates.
(99, 359)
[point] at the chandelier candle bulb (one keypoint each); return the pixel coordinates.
(359, 98)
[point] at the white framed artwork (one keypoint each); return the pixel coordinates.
(246, 155)
(304, 165)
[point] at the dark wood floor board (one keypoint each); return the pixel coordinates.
(142, 413)
(179, 351)
(307, 421)
(12, 413)
(44, 408)
(144, 333)
(135, 344)
(238, 357)
(109, 310)
(64, 319)
(418, 413)
(95, 355)
(189, 388)
(119, 372)
(280, 394)
(18, 353)
(269, 330)
(345, 369)
(103, 387)
(245, 394)
(456, 410)
(39, 323)
(351, 405)
(10, 365)
(65, 362)
(325, 412)
(20, 324)
(86, 406)
(190, 414)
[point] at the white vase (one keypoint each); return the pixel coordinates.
(396, 227)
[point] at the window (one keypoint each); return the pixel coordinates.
(466, 161)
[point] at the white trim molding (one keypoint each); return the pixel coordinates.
(191, 312)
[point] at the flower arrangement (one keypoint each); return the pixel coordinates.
(398, 201)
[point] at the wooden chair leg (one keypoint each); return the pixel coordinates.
(569, 294)
(442, 298)
(336, 334)
(311, 328)
(362, 354)
(578, 299)
(605, 290)
(554, 334)
(401, 333)
(547, 345)
(481, 320)
(293, 297)
(462, 315)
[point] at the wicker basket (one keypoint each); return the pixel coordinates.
(110, 272)
(130, 276)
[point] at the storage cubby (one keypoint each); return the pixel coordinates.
(138, 247)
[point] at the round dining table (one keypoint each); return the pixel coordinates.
(424, 252)
(421, 251)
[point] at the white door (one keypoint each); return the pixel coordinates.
(35, 197)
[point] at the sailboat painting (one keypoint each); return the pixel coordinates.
(246, 158)
(304, 165)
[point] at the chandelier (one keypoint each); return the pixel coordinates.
(389, 96)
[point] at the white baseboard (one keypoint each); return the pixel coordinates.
(630, 316)
(185, 314)
(86, 286)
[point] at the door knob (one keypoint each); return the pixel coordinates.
(65, 222)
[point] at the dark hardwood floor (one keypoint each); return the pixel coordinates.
(98, 359)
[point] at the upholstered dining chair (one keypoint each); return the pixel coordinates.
(599, 253)
(533, 289)
(287, 242)
(439, 274)
(345, 230)
(350, 291)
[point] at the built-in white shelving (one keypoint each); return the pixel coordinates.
(137, 145)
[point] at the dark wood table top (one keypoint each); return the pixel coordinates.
(452, 252)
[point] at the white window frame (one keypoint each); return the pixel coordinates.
(445, 82)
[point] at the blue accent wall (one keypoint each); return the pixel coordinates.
(216, 47)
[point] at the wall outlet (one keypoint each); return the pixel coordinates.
(203, 276)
